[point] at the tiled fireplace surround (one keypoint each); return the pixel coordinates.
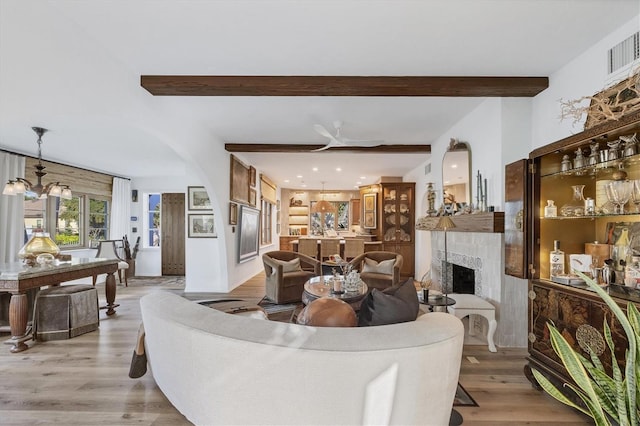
(484, 253)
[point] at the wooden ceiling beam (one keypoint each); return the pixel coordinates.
(231, 85)
(299, 148)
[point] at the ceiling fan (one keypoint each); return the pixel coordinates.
(338, 141)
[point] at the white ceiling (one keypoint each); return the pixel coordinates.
(74, 67)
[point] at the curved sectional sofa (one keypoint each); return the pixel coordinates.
(218, 368)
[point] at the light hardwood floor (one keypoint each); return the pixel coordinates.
(84, 380)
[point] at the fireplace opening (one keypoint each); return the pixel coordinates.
(464, 280)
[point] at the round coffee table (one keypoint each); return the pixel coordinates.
(438, 302)
(322, 286)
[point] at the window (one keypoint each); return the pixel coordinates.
(338, 220)
(34, 214)
(153, 211)
(69, 222)
(98, 219)
(267, 223)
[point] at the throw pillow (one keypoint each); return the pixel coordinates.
(292, 265)
(390, 306)
(383, 267)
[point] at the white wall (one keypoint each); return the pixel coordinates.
(583, 76)
(481, 129)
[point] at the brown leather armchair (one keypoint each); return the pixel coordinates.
(284, 278)
(373, 276)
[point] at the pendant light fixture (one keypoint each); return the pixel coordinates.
(323, 206)
(22, 185)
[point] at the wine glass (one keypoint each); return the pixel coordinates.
(635, 194)
(619, 192)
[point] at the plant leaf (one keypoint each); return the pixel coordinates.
(632, 355)
(553, 391)
(576, 370)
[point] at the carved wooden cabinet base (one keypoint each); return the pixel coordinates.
(579, 315)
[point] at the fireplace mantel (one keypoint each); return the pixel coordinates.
(477, 222)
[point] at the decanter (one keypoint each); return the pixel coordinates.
(576, 206)
(39, 243)
(621, 250)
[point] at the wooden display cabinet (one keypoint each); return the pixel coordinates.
(577, 312)
(396, 222)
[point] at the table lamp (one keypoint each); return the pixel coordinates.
(445, 223)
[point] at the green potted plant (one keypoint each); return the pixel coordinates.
(608, 399)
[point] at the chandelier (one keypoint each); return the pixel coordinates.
(323, 206)
(22, 185)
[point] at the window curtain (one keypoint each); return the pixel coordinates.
(11, 209)
(120, 208)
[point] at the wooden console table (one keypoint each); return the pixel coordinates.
(16, 278)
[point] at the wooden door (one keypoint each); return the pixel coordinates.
(515, 223)
(172, 232)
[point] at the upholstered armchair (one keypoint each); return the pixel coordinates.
(378, 269)
(285, 274)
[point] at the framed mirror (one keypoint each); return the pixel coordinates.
(456, 176)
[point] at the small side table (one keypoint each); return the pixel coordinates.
(438, 303)
(469, 305)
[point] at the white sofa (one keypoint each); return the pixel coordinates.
(223, 369)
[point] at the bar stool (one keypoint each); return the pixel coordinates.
(328, 247)
(308, 246)
(353, 247)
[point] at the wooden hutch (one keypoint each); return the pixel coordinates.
(576, 311)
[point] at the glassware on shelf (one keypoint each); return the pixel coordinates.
(630, 145)
(565, 165)
(619, 192)
(576, 206)
(593, 155)
(589, 206)
(613, 150)
(550, 210)
(579, 161)
(621, 250)
(635, 194)
(556, 260)
(603, 205)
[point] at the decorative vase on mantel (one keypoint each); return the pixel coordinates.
(576, 206)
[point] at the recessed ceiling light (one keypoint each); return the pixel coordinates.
(315, 169)
(454, 166)
(358, 183)
(299, 176)
(338, 169)
(286, 181)
(363, 177)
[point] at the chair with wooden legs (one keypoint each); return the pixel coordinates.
(107, 249)
(353, 247)
(308, 247)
